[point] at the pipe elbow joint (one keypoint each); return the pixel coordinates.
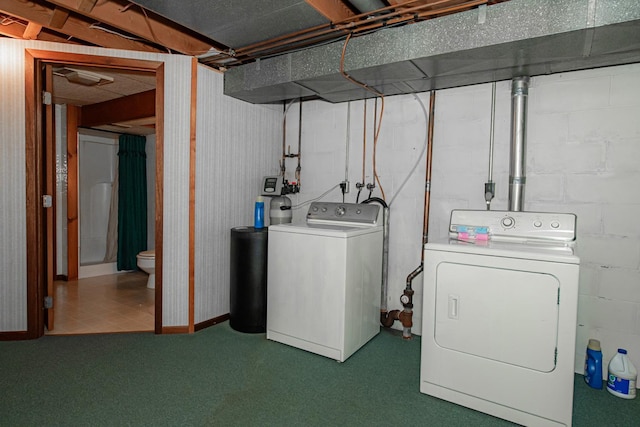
(387, 318)
(406, 317)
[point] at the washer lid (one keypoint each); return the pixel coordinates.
(329, 230)
(534, 250)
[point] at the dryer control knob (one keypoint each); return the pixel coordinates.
(508, 222)
(341, 210)
(555, 224)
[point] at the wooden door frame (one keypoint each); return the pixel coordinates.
(34, 146)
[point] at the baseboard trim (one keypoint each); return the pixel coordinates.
(175, 330)
(211, 322)
(16, 336)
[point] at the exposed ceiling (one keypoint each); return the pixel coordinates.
(223, 34)
(275, 50)
(238, 31)
(96, 88)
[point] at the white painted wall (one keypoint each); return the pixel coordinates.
(237, 144)
(177, 110)
(13, 266)
(583, 154)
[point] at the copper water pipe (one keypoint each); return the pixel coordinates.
(353, 25)
(406, 316)
(283, 166)
(416, 16)
(331, 26)
(427, 192)
(344, 26)
(364, 141)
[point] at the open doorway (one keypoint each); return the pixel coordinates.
(44, 263)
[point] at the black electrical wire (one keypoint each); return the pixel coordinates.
(375, 199)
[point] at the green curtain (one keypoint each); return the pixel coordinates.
(132, 200)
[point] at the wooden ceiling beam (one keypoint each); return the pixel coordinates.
(333, 10)
(77, 27)
(86, 6)
(58, 18)
(126, 109)
(32, 31)
(135, 20)
(16, 30)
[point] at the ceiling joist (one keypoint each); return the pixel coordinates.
(86, 5)
(140, 106)
(135, 20)
(78, 27)
(32, 31)
(15, 29)
(58, 18)
(333, 10)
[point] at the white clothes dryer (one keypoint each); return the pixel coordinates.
(324, 279)
(499, 320)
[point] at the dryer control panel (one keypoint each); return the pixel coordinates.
(343, 213)
(508, 225)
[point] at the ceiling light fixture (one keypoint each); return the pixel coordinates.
(83, 77)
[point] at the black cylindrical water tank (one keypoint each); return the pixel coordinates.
(248, 310)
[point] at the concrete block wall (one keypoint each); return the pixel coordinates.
(333, 136)
(583, 146)
(585, 134)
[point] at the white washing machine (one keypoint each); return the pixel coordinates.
(499, 320)
(324, 279)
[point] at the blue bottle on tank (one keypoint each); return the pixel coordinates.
(258, 213)
(593, 364)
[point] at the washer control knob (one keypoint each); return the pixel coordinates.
(315, 209)
(324, 209)
(341, 210)
(555, 224)
(508, 222)
(537, 224)
(358, 211)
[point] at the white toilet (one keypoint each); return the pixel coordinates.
(147, 263)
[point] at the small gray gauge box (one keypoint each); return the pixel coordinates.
(271, 186)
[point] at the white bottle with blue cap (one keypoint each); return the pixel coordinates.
(622, 376)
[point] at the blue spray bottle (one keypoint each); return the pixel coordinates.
(593, 364)
(258, 213)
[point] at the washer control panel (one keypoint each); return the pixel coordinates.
(330, 212)
(508, 225)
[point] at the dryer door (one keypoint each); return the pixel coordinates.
(510, 316)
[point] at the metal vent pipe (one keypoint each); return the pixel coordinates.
(517, 163)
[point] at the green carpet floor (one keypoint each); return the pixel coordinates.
(221, 377)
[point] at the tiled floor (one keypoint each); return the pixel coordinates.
(113, 303)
